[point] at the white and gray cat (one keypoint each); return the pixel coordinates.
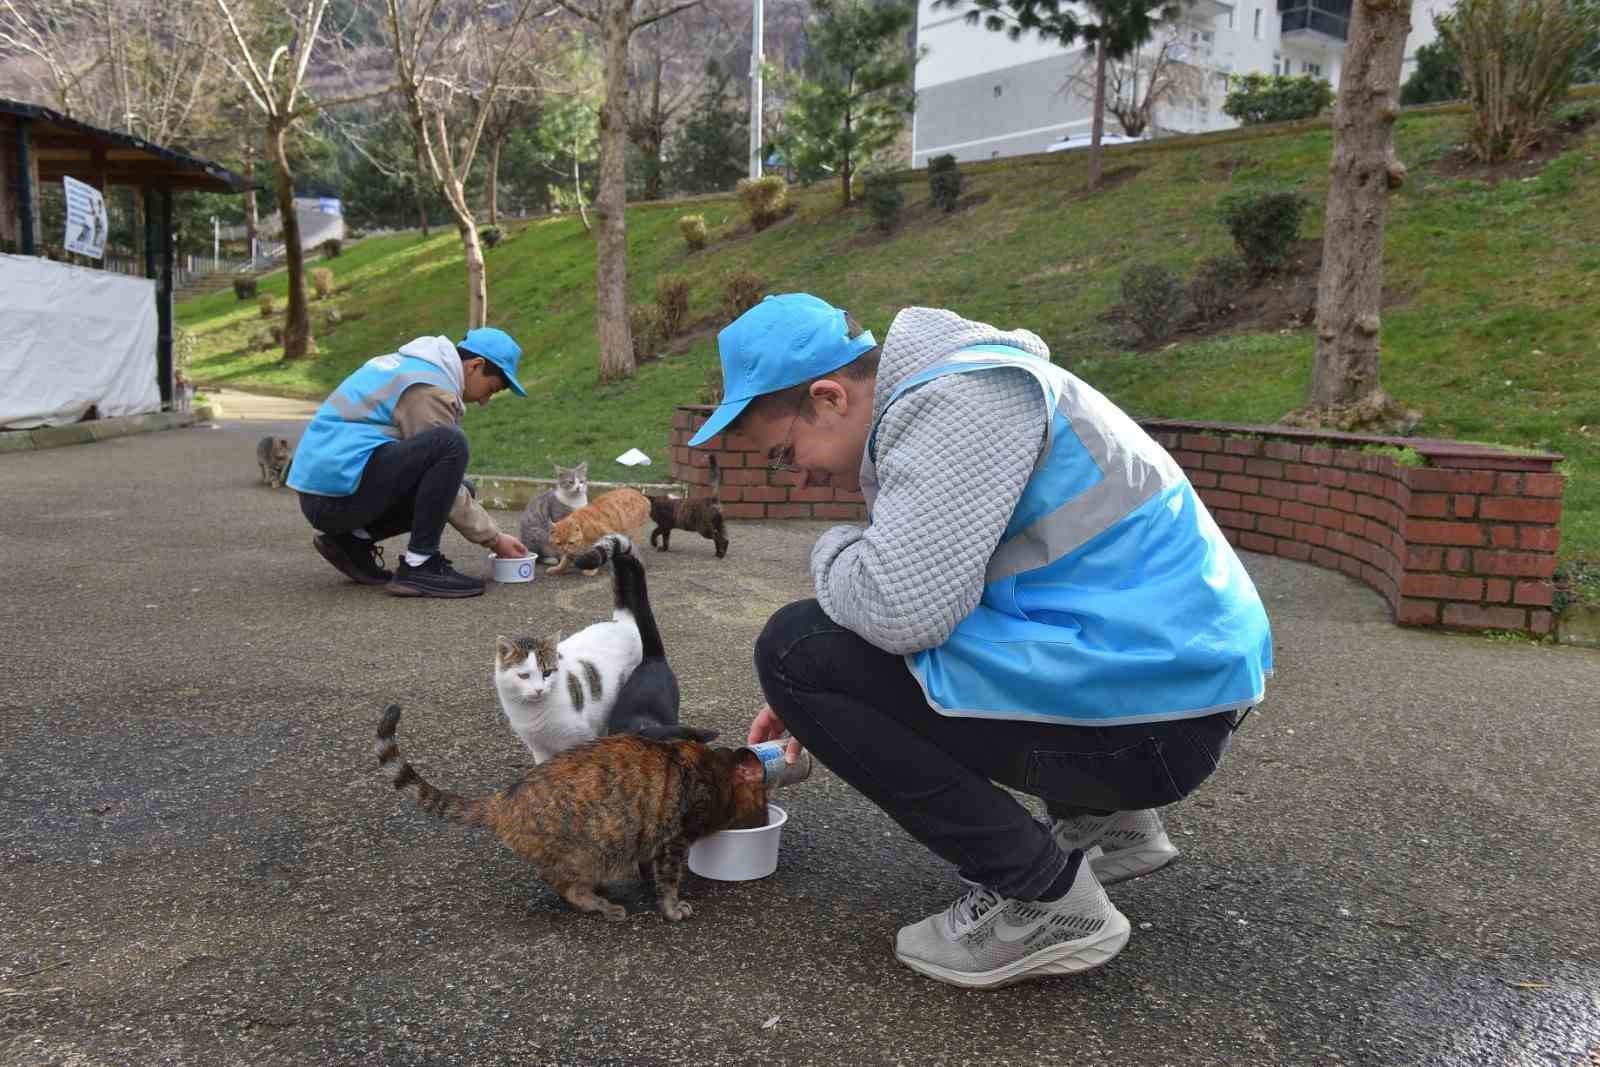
(608, 678)
(273, 456)
(550, 507)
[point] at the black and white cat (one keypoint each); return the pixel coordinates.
(608, 678)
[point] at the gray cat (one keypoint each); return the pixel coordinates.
(273, 456)
(550, 507)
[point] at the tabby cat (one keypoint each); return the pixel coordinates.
(545, 510)
(273, 457)
(623, 511)
(701, 515)
(604, 812)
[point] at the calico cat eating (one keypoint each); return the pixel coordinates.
(557, 694)
(273, 456)
(606, 811)
(701, 515)
(623, 511)
(545, 510)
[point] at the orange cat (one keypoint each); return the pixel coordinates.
(623, 511)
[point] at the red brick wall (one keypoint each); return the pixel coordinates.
(749, 490)
(1467, 542)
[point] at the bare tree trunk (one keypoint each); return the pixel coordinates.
(1350, 289)
(252, 216)
(297, 319)
(494, 181)
(844, 165)
(416, 148)
(1098, 129)
(477, 274)
(577, 190)
(611, 253)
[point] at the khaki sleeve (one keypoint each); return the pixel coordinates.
(420, 408)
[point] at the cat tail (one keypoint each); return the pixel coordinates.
(627, 577)
(716, 476)
(471, 811)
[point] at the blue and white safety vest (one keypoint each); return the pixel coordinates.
(355, 420)
(1112, 597)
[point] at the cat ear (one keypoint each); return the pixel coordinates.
(503, 649)
(747, 768)
(582, 469)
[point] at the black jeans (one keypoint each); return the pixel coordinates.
(407, 485)
(860, 711)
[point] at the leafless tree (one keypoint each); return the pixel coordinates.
(269, 54)
(616, 22)
(667, 70)
(452, 63)
(1157, 73)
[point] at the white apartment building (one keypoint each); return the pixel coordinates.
(981, 95)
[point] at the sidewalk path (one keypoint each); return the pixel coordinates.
(200, 863)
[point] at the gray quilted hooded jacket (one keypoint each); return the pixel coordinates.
(953, 457)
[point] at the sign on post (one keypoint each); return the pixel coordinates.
(86, 219)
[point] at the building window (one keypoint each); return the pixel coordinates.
(1230, 18)
(1278, 65)
(1258, 24)
(998, 89)
(1314, 69)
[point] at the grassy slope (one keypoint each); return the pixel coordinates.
(1499, 340)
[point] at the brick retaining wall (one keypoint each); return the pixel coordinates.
(1466, 542)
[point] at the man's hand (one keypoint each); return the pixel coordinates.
(507, 547)
(766, 726)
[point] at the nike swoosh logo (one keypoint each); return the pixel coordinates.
(1011, 933)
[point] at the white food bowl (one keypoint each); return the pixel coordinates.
(512, 568)
(740, 855)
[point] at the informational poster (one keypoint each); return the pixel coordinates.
(86, 219)
(329, 205)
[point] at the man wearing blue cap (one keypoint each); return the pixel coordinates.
(385, 454)
(1039, 601)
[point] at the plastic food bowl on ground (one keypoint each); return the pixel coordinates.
(740, 855)
(512, 569)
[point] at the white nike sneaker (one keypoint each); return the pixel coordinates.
(1119, 846)
(985, 941)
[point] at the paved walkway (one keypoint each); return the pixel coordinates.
(200, 863)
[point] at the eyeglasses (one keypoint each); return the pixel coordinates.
(781, 458)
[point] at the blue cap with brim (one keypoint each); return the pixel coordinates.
(782, 341)
(498, 348)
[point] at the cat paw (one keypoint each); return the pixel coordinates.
(675, 910)
(615, 913)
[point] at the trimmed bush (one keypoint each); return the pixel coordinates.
(693, 228)
(1152, 299)
(331, 248)
(711, 385)
(644, 325)
(742, 292)
(266, 305)
(1265, 225)
(672, 305)
(766, 199)
(884, 199)
(244, 287)
(490, 236)
(1257, 98)
(1217, 281)
(322, 282)
(944, 182)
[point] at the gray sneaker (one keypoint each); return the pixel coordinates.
(985, 941)
(1119, 846)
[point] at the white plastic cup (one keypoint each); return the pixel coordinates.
(512, 568)
(740, 855)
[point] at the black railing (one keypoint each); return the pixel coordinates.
(1330, 18)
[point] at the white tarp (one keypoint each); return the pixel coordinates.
(71, 337)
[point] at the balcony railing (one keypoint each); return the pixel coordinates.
(1327, 18)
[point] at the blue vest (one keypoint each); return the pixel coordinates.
(354, 421)
(1112, 597)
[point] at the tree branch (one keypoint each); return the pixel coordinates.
(659, 15)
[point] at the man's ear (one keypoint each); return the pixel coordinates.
(831, 393)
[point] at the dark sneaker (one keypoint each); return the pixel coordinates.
(433, 577)
(360, 561)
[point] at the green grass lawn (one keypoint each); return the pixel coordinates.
(1498, 338)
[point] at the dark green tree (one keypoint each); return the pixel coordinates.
(1257, 98)
(708, 153)
(854, 93)
(1115, 29)
(1437, 77)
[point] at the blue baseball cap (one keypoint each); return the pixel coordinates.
(782, 341)
(498, 348)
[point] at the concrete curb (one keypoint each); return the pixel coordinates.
(83, 433)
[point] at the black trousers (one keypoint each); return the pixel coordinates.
(407, 485)
(862, 714)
